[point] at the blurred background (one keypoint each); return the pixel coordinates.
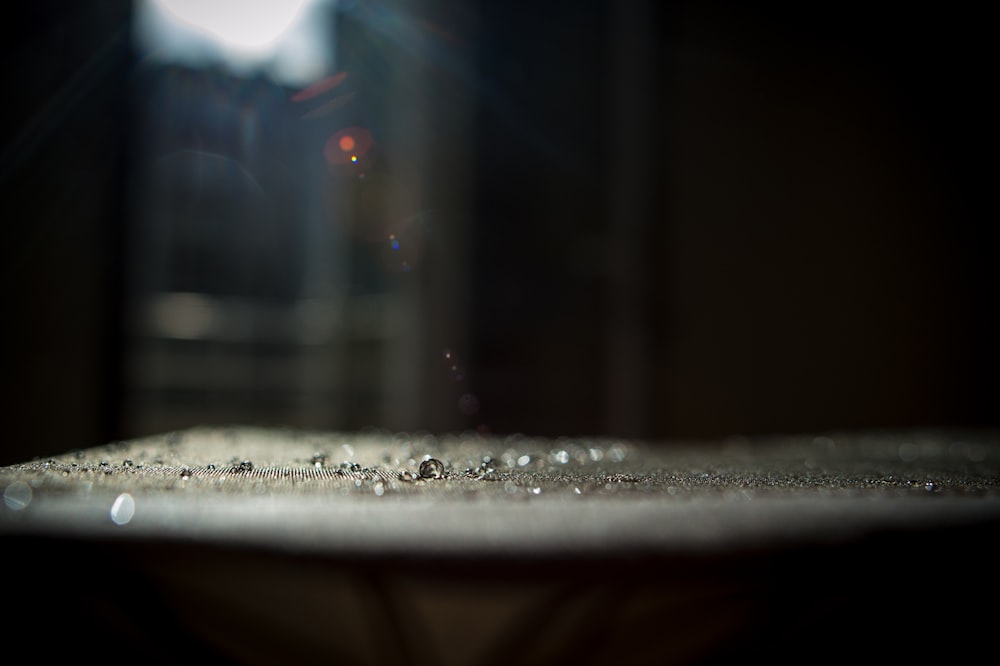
(644, 219)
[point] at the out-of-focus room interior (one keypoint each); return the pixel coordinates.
(636, 219)
(360, 329)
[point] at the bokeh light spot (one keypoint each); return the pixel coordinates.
(123, 509)
(17, 495)
(348, 146)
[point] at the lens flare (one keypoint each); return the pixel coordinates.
(320, 87)
(348, 145)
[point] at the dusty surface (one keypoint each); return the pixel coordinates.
(376, 492)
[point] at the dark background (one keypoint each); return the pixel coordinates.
(683, 220)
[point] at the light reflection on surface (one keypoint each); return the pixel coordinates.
(123, 509)
(193, 316)
(184, 316)
(17, 496)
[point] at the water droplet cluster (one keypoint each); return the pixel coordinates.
(384, 465)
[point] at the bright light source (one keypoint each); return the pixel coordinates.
(251, 25)
(287, 38)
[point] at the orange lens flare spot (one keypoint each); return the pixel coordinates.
(348, 145)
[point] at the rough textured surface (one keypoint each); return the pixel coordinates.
(262, 546)
(370, 492)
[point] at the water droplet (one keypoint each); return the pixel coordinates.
(17, 495)
(127, 463)
(319, 460)
(123, 509)
(407, 475)
(561, 457)
(432, 468)
(185, 474)
(243, 466)
(524, 460)
(536, 491)
(930, 486)
(577, 491)
(379, 489)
